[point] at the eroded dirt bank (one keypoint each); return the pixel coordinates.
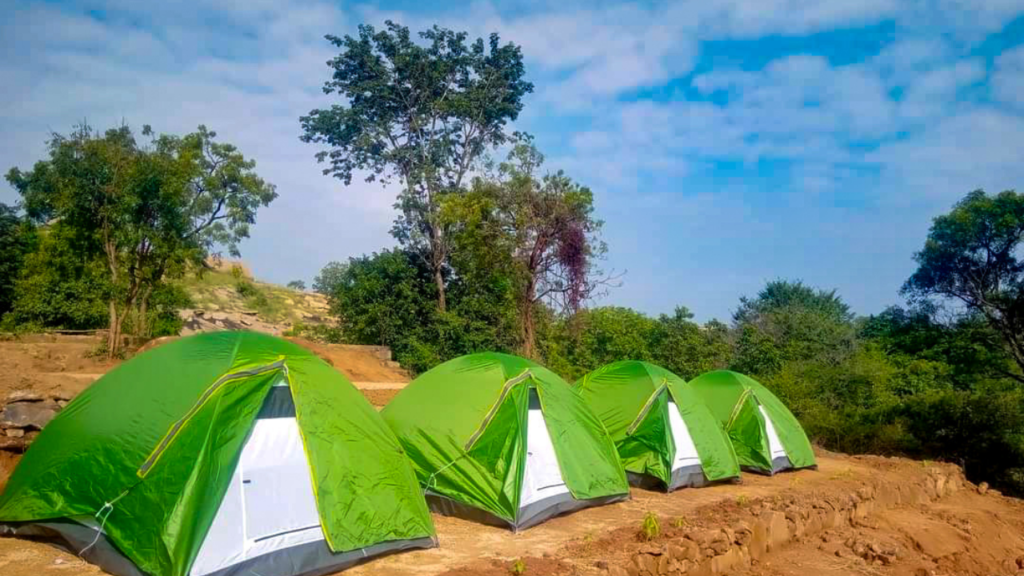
(854, 515)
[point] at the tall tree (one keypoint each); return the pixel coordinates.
(17, 240)
(420, 112)
(149, 211)
(972, 256)
(547, 228)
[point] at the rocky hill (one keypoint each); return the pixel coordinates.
(226, 296)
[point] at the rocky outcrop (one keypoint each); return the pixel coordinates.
(771, 524)
(24, 414)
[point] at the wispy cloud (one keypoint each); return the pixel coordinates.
(824, 162)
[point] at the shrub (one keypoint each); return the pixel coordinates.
(650, 528)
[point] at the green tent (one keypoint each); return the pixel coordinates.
(219, 454)
(666, 437)
(502, 440)
(766, 435)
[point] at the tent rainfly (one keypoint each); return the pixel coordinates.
(665, 435)
(219, 454)
(499, 439)
(765, 434)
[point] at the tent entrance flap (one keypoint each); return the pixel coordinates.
(269, 505)
(542, 477)
(774, 442)
(686, 455)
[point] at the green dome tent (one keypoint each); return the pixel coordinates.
(222, 453)
(765, 434)
(665, 435)
(502, 440)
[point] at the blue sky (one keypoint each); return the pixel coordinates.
(728, 143)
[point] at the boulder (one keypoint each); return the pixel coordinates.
(33, 415)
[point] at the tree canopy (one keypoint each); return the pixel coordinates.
(147, 212)
(972, 255)
(421, 112)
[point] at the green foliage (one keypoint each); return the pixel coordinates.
(421, 111)
(146, 212)
(650, 527)
(330, 278)
(18, 238)
(780, 294)
(61, 285)
(297, 285)
(518, 567)
(972, 256)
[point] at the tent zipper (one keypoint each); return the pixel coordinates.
(647, 407)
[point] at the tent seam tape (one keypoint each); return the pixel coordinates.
(309, 461)
(506, 388)
(647, 407)
(172, 432)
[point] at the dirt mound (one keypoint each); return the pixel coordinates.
(370, 364)
(62, 366)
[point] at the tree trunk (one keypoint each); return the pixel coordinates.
(113, 332)
(142, 326)
(442, 305)
(528, 330)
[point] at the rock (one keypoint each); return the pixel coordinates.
(24, 396)
(62, 403)
(601, 565)
(249, 312)
(28, 414)
(617, 571)
(649, 563)
(778, 530)
(663, 564)
(721, 546)
(983, 488)
(14, 432)
(62, 395)
(17, 444)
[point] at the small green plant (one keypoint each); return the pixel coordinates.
(742, 500)
(518, 567)
(680, 522)
(650, 528)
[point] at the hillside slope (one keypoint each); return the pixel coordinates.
(226, 296)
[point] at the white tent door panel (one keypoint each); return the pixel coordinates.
(542, 477)
(269, 504)
(774, 443)
(686, 451)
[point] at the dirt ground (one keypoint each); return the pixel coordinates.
(962, 533)
(965, 533)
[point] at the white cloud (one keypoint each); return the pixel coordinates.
(248, 69)
(113, 71)
(1008, 78)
